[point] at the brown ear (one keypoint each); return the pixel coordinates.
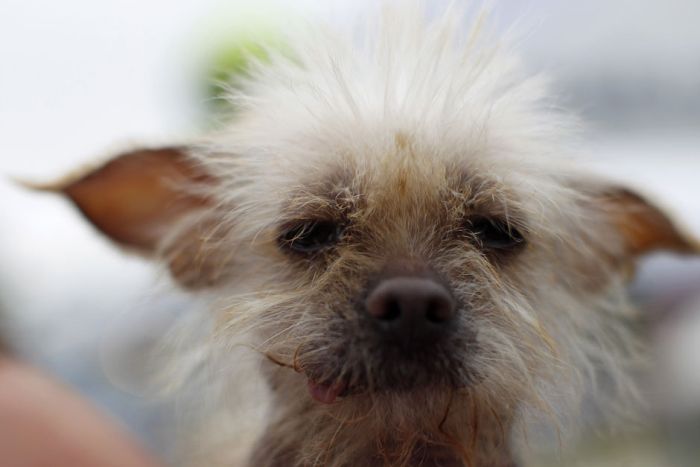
(644, 227)
(138, 197)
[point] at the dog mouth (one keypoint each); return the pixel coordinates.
(327, 385)
(326, 388)
(321, 389)
(342, 371)
(327, 393)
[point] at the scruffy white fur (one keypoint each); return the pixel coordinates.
(405, 128)
(457, 96)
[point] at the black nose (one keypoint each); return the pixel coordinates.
(411, 309)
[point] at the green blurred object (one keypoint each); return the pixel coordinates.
(233, 40)
(229, 65)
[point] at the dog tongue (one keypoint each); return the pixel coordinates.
(325, 393)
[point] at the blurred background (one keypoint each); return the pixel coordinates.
(81, 79)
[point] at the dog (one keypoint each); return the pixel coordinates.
(391, 224)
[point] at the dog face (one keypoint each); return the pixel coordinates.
(388, 239)
(394, 267)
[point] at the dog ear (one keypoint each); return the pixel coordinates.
(154, 201)
(138, 197)
(644, 227)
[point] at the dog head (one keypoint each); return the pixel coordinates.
(392, 224)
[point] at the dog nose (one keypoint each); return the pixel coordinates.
(411, 308)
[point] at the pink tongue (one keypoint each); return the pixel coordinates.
(325, 393)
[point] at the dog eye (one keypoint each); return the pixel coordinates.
(310, 236)
(495, 234)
